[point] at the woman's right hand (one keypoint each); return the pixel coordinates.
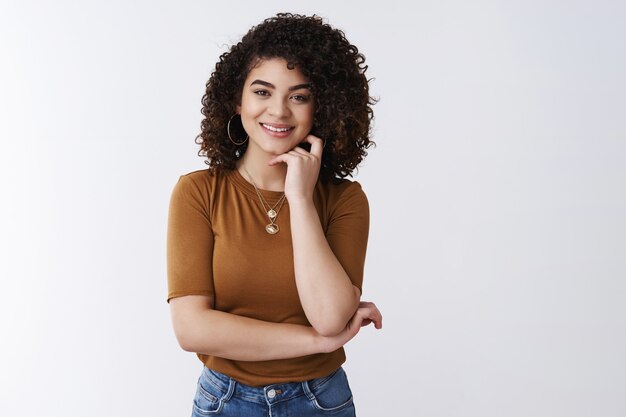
(366, 313)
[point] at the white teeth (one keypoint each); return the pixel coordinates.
(276, 129)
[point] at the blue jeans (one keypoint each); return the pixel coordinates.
(219, 394)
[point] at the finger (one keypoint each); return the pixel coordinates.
(357, 320)
(285, 158)
(374, 315)
(300, 151)
(378, 320)
(298, 154)
(317, 145)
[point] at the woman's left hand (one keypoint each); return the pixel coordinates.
(302, 169)
(366, 313)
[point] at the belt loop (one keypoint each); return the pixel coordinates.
(307, 390)
(231, 389)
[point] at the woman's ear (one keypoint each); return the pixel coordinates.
(238, 109)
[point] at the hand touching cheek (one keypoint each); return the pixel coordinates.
(303, 169)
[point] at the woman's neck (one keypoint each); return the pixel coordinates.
(266, 177)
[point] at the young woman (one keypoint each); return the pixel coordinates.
(266, 247)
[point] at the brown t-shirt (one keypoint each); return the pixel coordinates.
(217, 246)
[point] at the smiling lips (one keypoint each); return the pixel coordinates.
(277, 130)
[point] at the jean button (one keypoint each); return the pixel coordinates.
(271, 393)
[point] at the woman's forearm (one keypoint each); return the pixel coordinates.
(230, 336)
(326, 293)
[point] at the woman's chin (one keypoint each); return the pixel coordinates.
(275, 147)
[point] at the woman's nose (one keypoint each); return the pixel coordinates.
(278, 108)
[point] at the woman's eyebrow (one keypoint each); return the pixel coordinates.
(270, 85)
(263, 83)
(299, 86)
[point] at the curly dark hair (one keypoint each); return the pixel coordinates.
(335, 70)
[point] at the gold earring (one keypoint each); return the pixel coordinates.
(228, 131)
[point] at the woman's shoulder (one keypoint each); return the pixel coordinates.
(201, 177)
(342, 190)
(198, 175)
(341, 185)
(202, 182)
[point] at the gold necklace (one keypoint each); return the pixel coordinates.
(271, 212)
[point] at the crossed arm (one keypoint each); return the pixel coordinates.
(201, 329)
(330, 300)
(328, 296)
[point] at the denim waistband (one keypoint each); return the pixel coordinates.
(268, 394)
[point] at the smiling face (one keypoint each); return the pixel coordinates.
(276, 107)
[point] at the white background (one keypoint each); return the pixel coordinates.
(498, 198)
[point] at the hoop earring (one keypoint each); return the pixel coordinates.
(228, 131)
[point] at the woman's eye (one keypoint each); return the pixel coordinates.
(262, 93)
(301, 98)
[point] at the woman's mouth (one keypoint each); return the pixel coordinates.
(277, 130)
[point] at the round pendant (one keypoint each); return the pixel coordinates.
(272, 229)
(271, 214)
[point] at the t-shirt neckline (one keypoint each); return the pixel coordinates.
(247, 188)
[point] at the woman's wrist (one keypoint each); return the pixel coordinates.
(325, 344)
(299, 202)
(320, 343)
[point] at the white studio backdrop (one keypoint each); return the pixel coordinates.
(498, 197)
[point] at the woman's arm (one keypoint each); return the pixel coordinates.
(326, 292)
(201, 329)
(327, 295)
(197, 326)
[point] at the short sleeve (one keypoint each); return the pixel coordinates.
(348, 231)
(189, 241)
